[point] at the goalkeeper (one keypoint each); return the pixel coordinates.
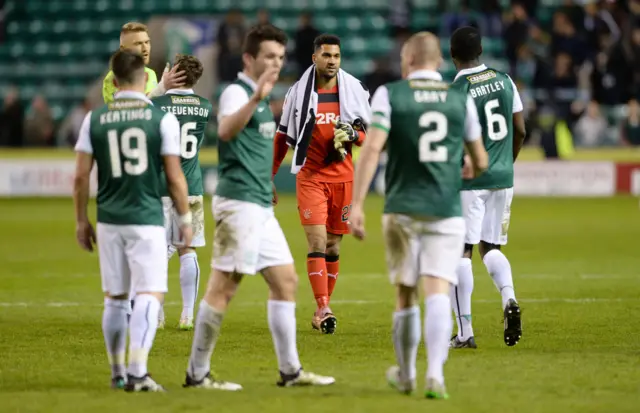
(135, 36)
(323, 184)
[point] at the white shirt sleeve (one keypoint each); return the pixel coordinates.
(83, 144)
(472, 128)
(170, 130)
(381, 109)
(517, 102)
(232, 99)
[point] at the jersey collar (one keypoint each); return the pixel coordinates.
(180, 92)
(128, 94)
(470, 71)
(246, 79)
(425, 74)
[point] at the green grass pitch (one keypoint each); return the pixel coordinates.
(575, 265)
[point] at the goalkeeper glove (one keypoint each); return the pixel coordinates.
(343, 133)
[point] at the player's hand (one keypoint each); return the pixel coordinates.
(274, 200)
(467, 168)
(85, 235)
(343, 133)
(172, 79)
(266, 82)
(356, 223)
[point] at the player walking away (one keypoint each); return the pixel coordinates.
(324, 184)
(424, 123)
(192, 112)
(135, 36)
(248, 238)
(131, 141)
(486, 200)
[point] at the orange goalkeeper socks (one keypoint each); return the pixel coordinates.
(317, 271)
(333, 266)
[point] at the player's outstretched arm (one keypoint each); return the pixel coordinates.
(236, 108)
(176, 182)
(84, 164)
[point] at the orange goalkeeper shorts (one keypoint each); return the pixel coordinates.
(325, 203)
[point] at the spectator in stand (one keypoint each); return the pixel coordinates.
(380, 75)
(591, 128)
(606, 87)
(305, 35)
(38, 125)
(452, 20)
(263, 17)
(491, 18)
(631, 128)
(625, 62)
(230, 37)
(70, 128)
(399, 15)
(566, 39)
(596, 23)
(12, 120)
(516, 32)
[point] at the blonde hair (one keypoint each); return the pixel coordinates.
(133, 27)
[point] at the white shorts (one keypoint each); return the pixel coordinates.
(417, 247)
(247, 238)
(172, 226)
(487, 213)
(133, 258)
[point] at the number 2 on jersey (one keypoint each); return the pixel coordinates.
(438, 153)
(136, 160)
(188, 142)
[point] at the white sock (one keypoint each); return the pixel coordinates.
(438, 327)
(170, 251)
(207, 331)
(461, 299)
(282, 323)
(114, 328)
(406, 338)
(500, 270)
(189, 280)
(142, 331)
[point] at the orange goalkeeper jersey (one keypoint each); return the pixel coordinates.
(323, 163)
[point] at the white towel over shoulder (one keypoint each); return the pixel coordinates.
(301, 105)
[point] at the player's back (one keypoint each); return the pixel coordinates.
(127, 143)
(193, 113)
(424, 147)
(494, 94)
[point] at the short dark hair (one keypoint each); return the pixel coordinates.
(191, 66)
(466, 44)
(127, 65)
(325, 39)
(262, 33)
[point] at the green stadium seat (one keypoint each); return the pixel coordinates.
(426, 4)
(326, 24)
(374, 23)
(377, 5)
